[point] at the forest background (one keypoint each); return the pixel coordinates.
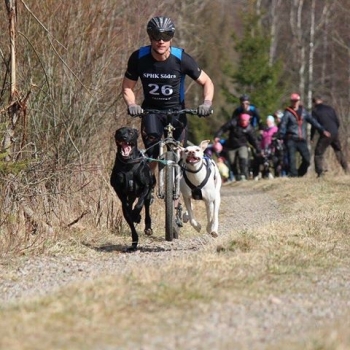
(61, 108)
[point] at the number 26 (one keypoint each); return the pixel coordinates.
(165, 90)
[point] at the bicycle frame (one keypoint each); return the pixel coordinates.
(169, 144)
(169, 171)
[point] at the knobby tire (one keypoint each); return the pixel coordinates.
(169, 203)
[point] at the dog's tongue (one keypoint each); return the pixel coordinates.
(191, 159)
(126, 150)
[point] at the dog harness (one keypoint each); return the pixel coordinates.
(129, 174)
(197, 190)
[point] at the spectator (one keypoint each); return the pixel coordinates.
(247, 108)
(255, 121)
(241, 134)
(327, 117)
(278, 117)
(281, 149)
(268, 132)
(293, 130)
(223, 169)
(268, 148)
(213, 150)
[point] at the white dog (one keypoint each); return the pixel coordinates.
(201, 180)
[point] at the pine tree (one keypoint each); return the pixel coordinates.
(254, 74)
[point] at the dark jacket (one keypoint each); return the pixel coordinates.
(327, 117)
(238, 136)
(294, 125)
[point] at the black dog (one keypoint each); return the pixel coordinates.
(132, 179)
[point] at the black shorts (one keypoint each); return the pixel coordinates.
(152, 130)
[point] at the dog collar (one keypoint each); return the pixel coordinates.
(192, 171)
(197, 190)
(130, 160)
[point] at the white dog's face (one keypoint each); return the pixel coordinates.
(194, 154)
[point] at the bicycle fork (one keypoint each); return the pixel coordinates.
(161, 170)
(168, 163)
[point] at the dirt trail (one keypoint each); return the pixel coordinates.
(248, 325)
(240, 208)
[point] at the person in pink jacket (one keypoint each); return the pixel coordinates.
(268, 132)
(267, 147)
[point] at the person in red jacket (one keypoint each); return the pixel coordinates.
(293, 130)
(327, 117)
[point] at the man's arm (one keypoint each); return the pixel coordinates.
(129, 97)
(311, 120)
(205, 109)
(223, 129)
(128, 91)
(208, 86)
(252, 139)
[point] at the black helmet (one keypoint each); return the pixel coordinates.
(161, 28)
(244, 98)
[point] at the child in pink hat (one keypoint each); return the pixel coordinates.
(268, 132)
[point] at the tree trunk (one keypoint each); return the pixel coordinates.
(13, 109)
(311, 54)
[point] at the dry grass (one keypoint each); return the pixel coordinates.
(281, 257)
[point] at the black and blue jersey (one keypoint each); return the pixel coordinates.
(163, 82)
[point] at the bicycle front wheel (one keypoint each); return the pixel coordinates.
(169, 196)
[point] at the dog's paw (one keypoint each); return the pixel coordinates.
(185, 217)
(136, 217)
(214, 234)
(196, 225)
(148, 232)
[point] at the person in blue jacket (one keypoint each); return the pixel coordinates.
(248, 108)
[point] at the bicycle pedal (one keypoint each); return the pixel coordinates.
(178, 222)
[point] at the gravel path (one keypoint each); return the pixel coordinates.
(248, 325)
(42, 275)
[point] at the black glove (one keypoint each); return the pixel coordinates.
(134, 110)
(205, 109)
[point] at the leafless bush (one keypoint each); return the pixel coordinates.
(45, 201)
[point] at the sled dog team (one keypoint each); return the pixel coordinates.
(133, 183)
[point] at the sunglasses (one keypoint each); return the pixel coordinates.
(165, 36)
